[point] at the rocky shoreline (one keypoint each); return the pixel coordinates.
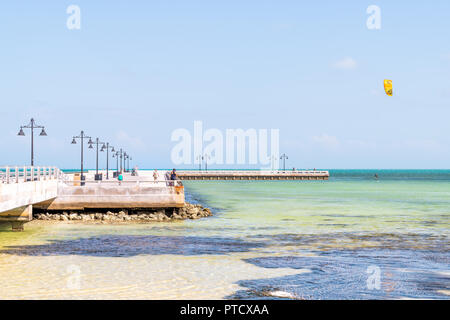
(189, 211)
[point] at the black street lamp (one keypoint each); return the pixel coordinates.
(206, 157)
(120, 154)
(284, 157)
(121, 157)
(97, 142)
(82, 136)
(126, 162)
(199, 158)
(125, 155)
(107, 147)
(128, 158)
(116, 155)
(32, 125)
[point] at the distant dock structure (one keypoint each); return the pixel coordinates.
(253, 175)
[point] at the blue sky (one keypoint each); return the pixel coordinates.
(137, 70)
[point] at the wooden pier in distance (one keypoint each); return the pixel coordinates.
(252, 175)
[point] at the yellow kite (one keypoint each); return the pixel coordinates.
(388, 87)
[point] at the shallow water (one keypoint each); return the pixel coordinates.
(280, 239)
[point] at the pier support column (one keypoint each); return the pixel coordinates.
(17, 225)
(18, 217)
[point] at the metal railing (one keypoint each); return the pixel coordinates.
(26, 174)
(115, 182)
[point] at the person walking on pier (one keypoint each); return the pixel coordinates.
(167, 177)
(173, 177)
(155, 175)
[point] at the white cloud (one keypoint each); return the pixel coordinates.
(345, 64)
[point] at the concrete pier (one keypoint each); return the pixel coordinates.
(23, 189)
(253, 175)
(140, 191)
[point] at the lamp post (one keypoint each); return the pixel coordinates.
(199, 159)
(32, 125)
(125, 156)
(97, 142)
(121, 153)
(206, 157)
(128, 158)
(107, 147)
(116, 155)
(82, 136)
(284, 157)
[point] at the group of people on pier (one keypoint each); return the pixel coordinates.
(169, 176)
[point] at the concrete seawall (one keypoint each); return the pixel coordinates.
(113, 196)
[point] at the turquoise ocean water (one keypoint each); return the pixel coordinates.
(351, 237)
(399, 223)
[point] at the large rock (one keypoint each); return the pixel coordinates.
(192, 210)
(189, 211)
(176, 216)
